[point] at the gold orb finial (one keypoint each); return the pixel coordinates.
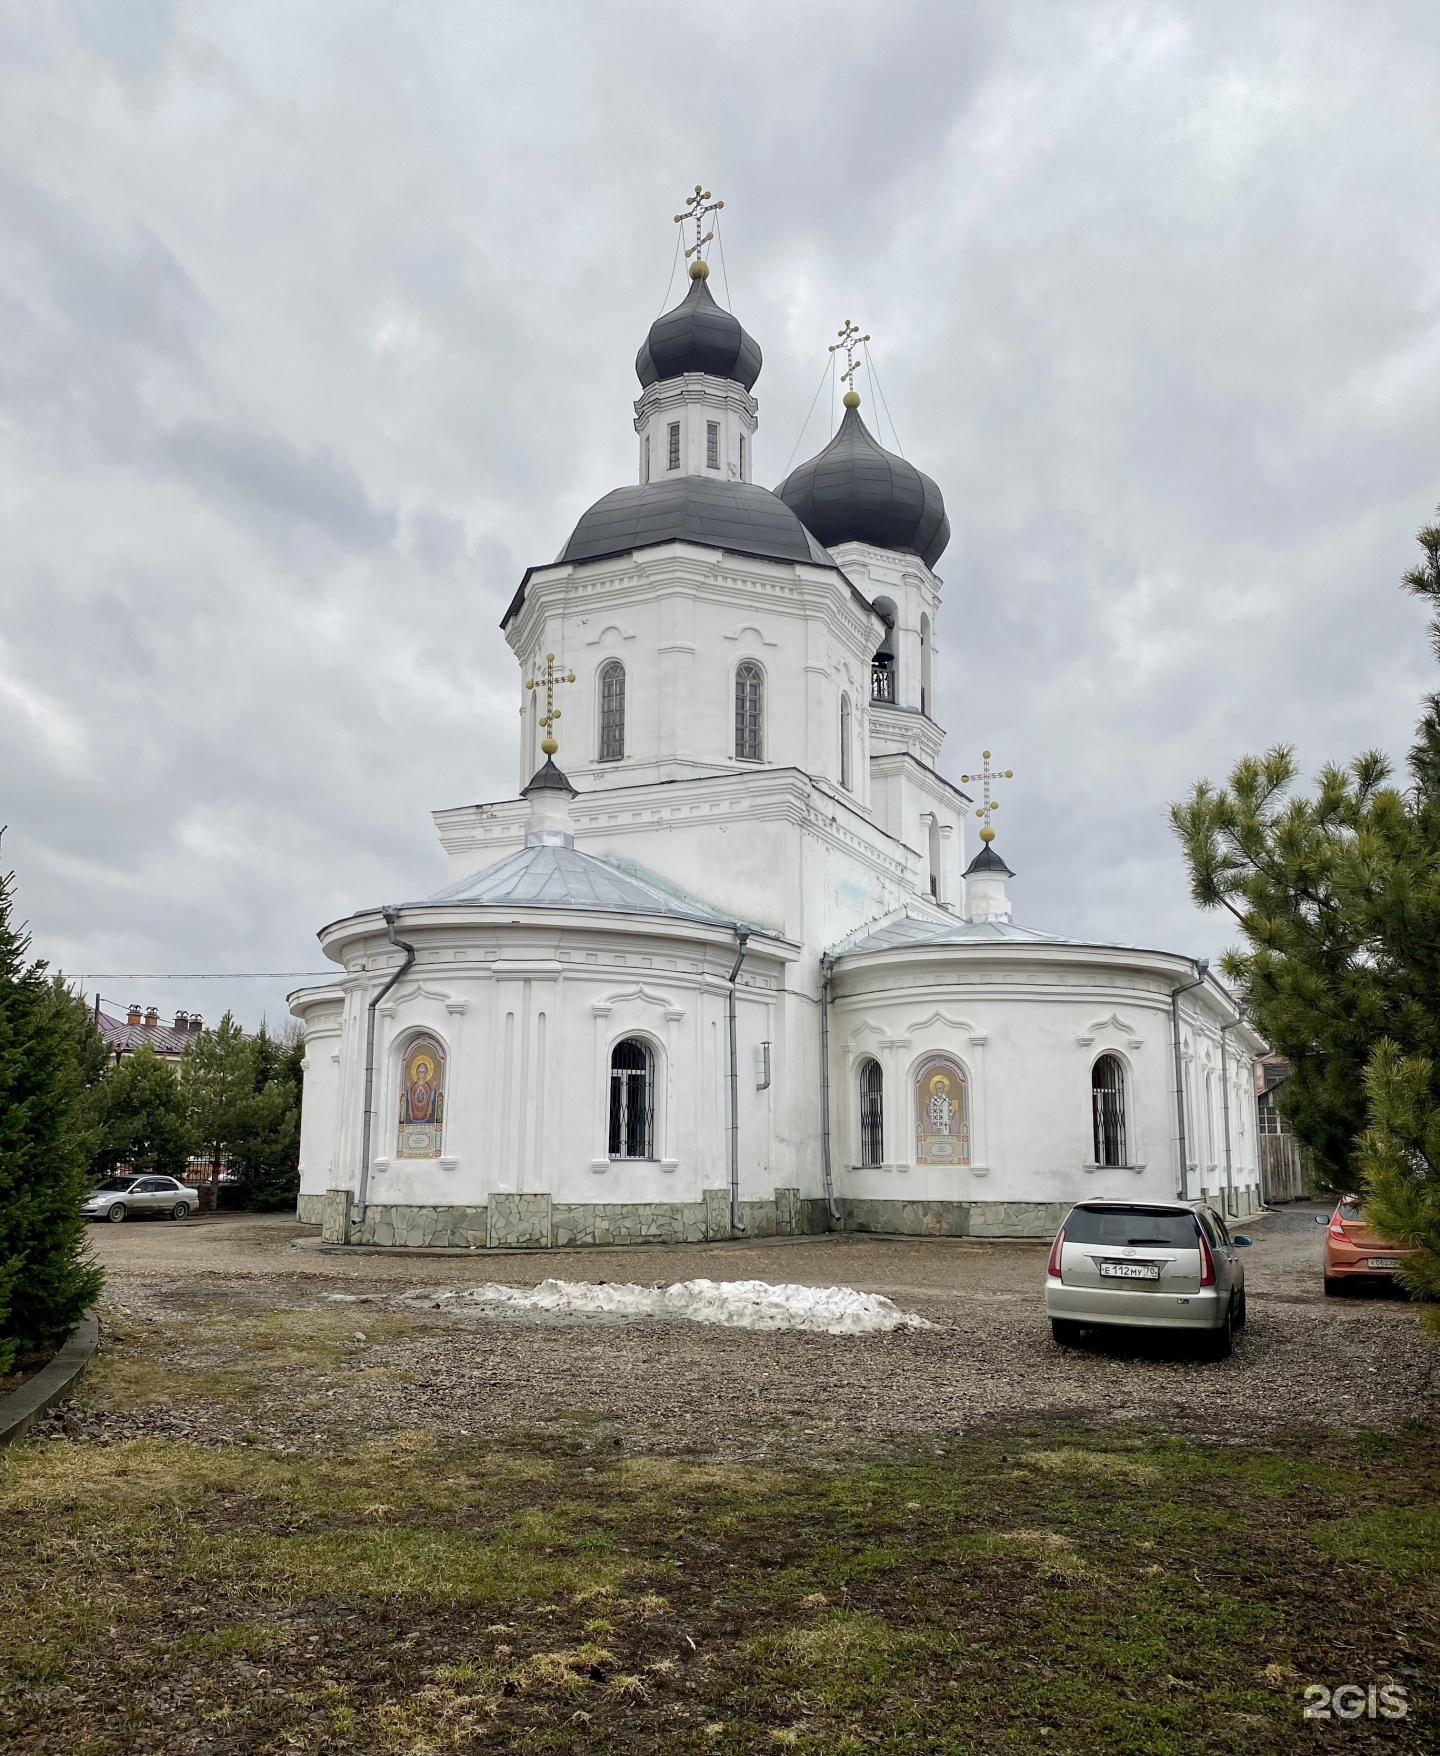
(987, 834)
(548, 745)
(851, 399)
(699, 269)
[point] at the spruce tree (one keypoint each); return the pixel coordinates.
(1337, 895)
(48, 1049)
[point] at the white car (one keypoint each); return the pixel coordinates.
(1147, 1265)
(119, 1198)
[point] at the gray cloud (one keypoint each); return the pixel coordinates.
(319, 326)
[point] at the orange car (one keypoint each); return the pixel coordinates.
(1352, 1251)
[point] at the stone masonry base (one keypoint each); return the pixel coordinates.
(536, 1222)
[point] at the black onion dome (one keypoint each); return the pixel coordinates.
(697, 336)
(742, 517)
(856, 491)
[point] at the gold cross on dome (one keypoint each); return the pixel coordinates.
(695, 209)
(986, 775)
(850, 339)
(546, 680)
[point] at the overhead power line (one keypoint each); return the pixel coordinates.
(208, 975)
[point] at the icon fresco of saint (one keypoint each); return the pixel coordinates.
(422, 1100)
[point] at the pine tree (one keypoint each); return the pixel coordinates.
(48, 1049)
(142, 1117)
(1400, 1156)
(215, 1076)
(1338, 897)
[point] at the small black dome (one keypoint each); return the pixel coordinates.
(856, 491)
(697, 336)
(739, 516)
(987, 860)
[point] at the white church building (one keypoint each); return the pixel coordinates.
(725, 968)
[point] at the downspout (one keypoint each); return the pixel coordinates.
(735, 1227)
(391, 916)
(1201, 966)
(827, 969)
(1225, 1108)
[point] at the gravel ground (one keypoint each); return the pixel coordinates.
(227, 1328)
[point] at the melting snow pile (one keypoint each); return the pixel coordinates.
(739, 1304)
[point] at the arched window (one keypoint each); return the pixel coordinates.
(1107, 1102)
(884, 682)
(845, 777)
(934, 848)
(872, 1113)
(942, 1113)
(612, 711)
(749, 708)
(420, 1131)
(632, 1100)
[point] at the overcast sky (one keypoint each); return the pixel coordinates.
(317, 325)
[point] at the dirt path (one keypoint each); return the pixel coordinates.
(196, 1312)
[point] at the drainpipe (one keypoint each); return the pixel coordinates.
(1201, 966)
(1225, 1107)
(735, 1227)
(827, 969)
(391, 916)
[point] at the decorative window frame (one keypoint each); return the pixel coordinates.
(764, 731)
(941, 1034)
(633, 1014)
(1115, 1036)
(600, 670)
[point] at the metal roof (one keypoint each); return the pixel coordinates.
(547, 876)
(855, 491)
(697, 336)
(910, 930)
(739, 516)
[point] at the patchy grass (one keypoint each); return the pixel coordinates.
(1055, 1591)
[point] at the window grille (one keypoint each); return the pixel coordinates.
(674, 445)
(712, 444)
(749, 703)
(1107, 1099)
(882, 680)
(872, 1113)
(612, 712)
(632, 1100)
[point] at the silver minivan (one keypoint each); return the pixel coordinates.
(1147, 1265)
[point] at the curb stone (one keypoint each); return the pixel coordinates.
(23, 1406)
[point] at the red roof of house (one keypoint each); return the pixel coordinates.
(124, 1038)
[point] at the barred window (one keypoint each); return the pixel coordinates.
(674, 445)
(872, 1113)
(712, 444)
(749, 705)
(612, 712)
(1107, 1102)
(632, 1100)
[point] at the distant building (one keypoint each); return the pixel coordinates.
(1284, 1172)
(142, 1025)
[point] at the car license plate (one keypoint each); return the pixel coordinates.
(1131, 1270)
(1383, 1262)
